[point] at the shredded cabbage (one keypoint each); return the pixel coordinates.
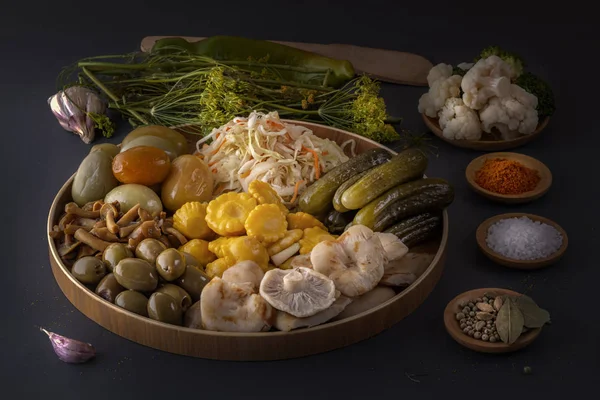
(262, 147)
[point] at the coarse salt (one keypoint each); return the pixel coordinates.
(523, 239)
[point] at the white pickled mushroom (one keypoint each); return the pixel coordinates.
(354, 261)
(234, 307)
(244, 272)
(392, 245)
(300, 292)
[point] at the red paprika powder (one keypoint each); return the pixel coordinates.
(503, 176)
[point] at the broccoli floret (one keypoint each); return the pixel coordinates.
(514, 60)
(458, 71)
(541, 89)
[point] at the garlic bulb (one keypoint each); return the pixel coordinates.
(80, 110)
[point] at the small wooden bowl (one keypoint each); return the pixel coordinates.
(481, 235)
(453, 326)
(489, 141)
(541, 189)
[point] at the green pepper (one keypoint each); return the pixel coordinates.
(295, 65)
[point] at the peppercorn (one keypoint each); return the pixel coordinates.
(471, 332)
(492, 339)
(463, 326)
(472, 314)
(471, 305)
(477, 335)
(460, 316)
(466, 330)
(484, 337)
(484, 299)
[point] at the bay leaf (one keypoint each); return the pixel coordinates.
(509, 322)
(533, 315)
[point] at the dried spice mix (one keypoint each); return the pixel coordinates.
(503, 176)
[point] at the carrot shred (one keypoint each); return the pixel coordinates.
(325, 153)
(212, 163)
(218, 148)
(288, 138)
(219, 189)
(296, 189)
(245, 174)
(316, 161)
(214, 170)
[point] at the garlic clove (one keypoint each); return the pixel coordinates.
(70, 350)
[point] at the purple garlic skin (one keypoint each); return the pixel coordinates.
(70, 106)
(70, 350)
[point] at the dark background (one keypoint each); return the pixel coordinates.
(559, 43)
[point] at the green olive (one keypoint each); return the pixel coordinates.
(130, 194)
(170, 264)
(153, 141)
(133, 301)
(193, 281)
(183, 298)
(159, 131)
(191, 260)
(94, 178)
(164, 308)
(149, 248)
(136, 274)
(114, 253)
(193, 317)
(89, 270)
(109, 148)
(109, 288)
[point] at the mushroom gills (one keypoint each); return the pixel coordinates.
(367, 301)
(287, 322)
(301, 292)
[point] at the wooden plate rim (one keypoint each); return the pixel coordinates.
(453, 328)
(434, 263)
(486, 145)
(481, 234)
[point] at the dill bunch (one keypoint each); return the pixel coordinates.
(183, 89)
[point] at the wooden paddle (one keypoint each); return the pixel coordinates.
(384, 65)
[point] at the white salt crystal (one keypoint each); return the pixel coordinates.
(523, 239)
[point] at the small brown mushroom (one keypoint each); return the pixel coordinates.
(144, 215)
(87, 223)
(89, 206)
(97, 206)
(147, 229)
(72, 228)
(99, 224)
(65, 220)
(69, 239)
(109, 212)
(173, 241)
(104, 234)
(73, 208)
(84, 251)
(165, 241)
(94, 242)
(68, 248)
(182, 239)
(128, 230)
(129, 216)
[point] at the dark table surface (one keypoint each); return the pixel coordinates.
(37, 41)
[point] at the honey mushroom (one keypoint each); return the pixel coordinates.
(108, 213)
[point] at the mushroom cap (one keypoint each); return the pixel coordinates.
(404, 271)
(287, 322)
(234, 307)
(393, 247)
(301, 292)
(354, 261)
(244, 272)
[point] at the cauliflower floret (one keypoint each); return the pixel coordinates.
(438, 72)
(459, 122)
(512, 115)
(442, 89)
(489, 77)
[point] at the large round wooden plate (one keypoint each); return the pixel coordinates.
(489, 141)
(249, 346)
